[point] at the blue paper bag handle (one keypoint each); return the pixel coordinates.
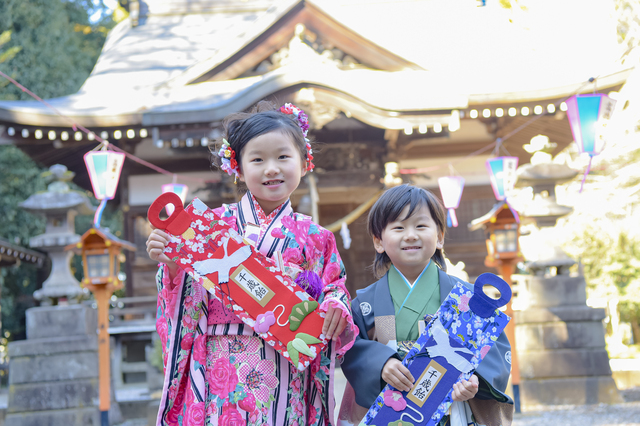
(484, 305)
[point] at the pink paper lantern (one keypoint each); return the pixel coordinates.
(451, 189)
(178, 188)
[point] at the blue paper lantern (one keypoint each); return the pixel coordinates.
(588, 117)
(502, 173)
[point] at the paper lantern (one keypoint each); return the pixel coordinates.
(177, 188)
(451, 189)
(104, 169)
(502, 172)
(588, 117)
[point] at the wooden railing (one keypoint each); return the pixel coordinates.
(132, 323)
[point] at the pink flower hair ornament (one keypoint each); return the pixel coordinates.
(228, 157)
(303, 122)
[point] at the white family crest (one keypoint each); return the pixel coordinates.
(365, 307)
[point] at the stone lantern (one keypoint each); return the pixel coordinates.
(59, 205)
(53, 374)
(560, 339)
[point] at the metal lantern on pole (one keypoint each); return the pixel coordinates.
(177, 188)
(502, 172)
(104, 169)
(588, 116)
(451, 189)
(100, 255)
(100, 252)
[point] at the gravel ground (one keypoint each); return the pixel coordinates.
(627, 413)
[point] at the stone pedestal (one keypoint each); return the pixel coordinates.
(53, 375)
(561, 346)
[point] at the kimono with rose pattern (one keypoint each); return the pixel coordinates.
(218, 371)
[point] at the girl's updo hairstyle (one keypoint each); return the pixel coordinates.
(239, 128)
(389, 207)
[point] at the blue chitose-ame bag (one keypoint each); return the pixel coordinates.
(449, 350)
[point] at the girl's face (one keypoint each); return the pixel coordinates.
(271, 168)
(410, 243)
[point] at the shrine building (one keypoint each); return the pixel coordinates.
(381, 83)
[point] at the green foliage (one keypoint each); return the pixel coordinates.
(6, 55)
(53, 45)
(49, 46)
(611, 265)
(19, 179)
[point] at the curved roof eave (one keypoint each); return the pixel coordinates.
(615, 79)
(402, 98)
(408, 97)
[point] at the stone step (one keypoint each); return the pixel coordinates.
(563, 363)
(569, 391)
(560, 335)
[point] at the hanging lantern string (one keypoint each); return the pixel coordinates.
(104, 144)
(432, 168)
(500, 141)
(38, 98)
(97, 217)
(584, 177)
(159, 169)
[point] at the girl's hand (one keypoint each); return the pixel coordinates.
(156, 244)
(397, 375)
(466, 389)
(334, 323)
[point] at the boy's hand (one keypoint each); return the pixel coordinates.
(466, 389)
(156, 244)
(334, 323)
(397, 375)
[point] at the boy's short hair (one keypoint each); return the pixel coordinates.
(388, 208)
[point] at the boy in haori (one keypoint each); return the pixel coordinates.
(407, 225)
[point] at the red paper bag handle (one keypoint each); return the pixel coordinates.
(178, 222)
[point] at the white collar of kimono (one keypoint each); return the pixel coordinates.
(411, 284)
(248, 211)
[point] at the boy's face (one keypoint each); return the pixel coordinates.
(410, 243)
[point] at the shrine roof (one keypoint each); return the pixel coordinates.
(164, 69)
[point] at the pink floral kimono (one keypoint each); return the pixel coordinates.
(217, 370)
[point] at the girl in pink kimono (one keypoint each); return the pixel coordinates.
(218, 371)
